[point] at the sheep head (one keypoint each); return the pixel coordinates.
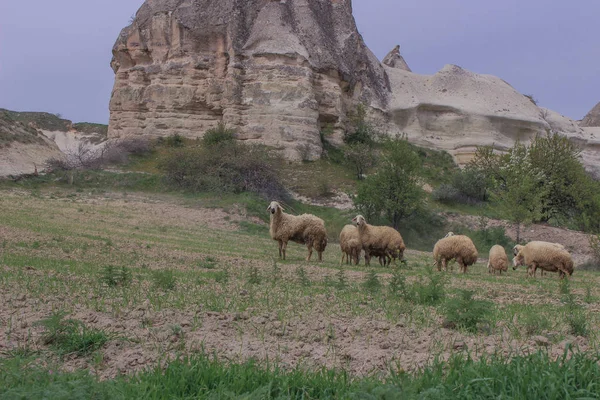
(359, 220)
(518, 260)
(274, 207)
(449, 234)
(517, 249)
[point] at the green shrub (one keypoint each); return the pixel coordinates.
(114, 276)
(71, 336)
(446, 193)
(174, 140)
(164, 279)
(371, 283)
(464, 312)
(427, 292)
(218, 135)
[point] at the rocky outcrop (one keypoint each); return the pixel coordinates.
(592, 119)
(277, 71)
(395, 60)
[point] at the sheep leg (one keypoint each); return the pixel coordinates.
(320, 253)
(310, 251)
(283, 247)
(280, 248)
(343, 255)
(367, 258)
(444, 265)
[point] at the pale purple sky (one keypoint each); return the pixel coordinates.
(55, 55)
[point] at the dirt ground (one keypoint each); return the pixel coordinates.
(276, 320)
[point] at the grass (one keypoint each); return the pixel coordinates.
(203, 377)
(71, 336)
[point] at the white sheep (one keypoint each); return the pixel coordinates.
(498, 261)
(518, 247)
(381, 241)
(547, 256)
(458, 247)
(303, 229)
(350, 244)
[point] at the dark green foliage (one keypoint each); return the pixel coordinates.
(395, 192)
(71, 336)
(362, 132)
(360, 157)
(234, 168)
(570, 376)
(254, 277)
(222, 276)
(446, 193)
(429, 291)
(464, 312)
(303, 277)
(164, 279)
(575, 314)
(218, 135)
(372, 283)
(174, 140)
(207, 263)
(115, 276)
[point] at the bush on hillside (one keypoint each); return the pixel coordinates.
(218, 135)
(235, 168)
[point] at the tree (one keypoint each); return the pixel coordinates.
(520, 195)
(395, 191)
(359, 157)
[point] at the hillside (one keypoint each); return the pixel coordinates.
(28, 139)
(23, 148)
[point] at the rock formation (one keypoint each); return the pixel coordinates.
(23, 149)
(592, 119)
(395, 60)
(277, 71)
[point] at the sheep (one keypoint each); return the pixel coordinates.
(459, 247)
(350, 244)
(303, 229)
(380, 241)
(498, 261)
(518, 247)
(547, 256)
(449, 234)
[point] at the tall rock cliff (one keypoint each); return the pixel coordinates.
(277, 71)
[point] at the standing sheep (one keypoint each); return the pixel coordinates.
(518, 247)
(498, 261)
(350, 244)
(303, 229)
(381, 241)
(459, 247)
(547, 256)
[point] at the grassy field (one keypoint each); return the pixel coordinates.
(96, 284)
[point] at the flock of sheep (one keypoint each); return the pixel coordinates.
(387, 245)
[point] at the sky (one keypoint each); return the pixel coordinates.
(55, 55)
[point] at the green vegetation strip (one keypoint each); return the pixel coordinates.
(536, 376)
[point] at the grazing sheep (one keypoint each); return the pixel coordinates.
(547, 256)
(350, 244)
(458, 247)
(498, 261)
(380, 241)
(303, 229)
(518, 247)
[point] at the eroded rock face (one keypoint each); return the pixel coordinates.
(592, 119)
(277, 71)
